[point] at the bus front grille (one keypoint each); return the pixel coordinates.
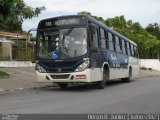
(60, 76)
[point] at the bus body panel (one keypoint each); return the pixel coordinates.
(96, 74)
(63, 77)
(118, 64)
(134, 64)
(92, 75)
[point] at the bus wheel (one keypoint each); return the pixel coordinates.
(102, 84)
(128, 79)
(63, 85)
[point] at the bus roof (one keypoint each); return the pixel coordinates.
(89, 18)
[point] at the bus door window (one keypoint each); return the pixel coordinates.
(95, 53)
(94, 38)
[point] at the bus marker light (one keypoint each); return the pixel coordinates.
(80, 76)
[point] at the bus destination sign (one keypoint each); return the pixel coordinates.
(67, 22)
(63, 22)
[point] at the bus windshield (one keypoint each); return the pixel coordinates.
(62, 43)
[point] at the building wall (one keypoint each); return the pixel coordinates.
(150, 63)
(5, 50)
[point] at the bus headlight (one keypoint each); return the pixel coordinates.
(83, 66)
(40, 69)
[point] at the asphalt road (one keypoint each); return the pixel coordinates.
(139, 96)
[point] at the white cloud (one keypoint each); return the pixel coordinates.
(143, 11)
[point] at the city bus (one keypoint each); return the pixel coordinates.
(79, 49)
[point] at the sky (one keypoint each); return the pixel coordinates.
(142, 11)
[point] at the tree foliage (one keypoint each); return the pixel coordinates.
(154, 29)
(13, 13)
(147, 39)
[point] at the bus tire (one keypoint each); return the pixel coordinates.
(128, 79)
(63, 85)
(102, 84)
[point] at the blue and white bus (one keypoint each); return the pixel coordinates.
(80, 49)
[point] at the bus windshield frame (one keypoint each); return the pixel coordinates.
(67, 38)
(62, 42)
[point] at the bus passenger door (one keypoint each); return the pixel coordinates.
(95, 53)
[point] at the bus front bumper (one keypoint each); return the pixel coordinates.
(74, 77)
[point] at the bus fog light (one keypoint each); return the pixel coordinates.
(80, 76)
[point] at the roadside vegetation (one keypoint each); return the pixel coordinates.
(14, 12)
(3, 74)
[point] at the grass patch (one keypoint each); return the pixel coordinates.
(3, 74)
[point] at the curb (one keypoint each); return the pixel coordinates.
(16, 64)
(2, 91)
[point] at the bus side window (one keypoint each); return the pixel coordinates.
(120, 43)
(118, 50)
(132, 50)
(114, 42)
(111, 44)
(136, 51)
(128, 49)
(94, 37)
(107, 39)
(102, 38)
(123, 47)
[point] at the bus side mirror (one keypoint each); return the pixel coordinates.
(32, 43)
(29, 37)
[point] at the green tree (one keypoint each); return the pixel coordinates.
(84, 13)
(88, 13)
(154, 29)
(116, 22)
(14, 12)
(147, 39)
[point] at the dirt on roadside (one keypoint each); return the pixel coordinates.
(19, 79)
(148, 73)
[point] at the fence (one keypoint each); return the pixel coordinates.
(9, 53)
